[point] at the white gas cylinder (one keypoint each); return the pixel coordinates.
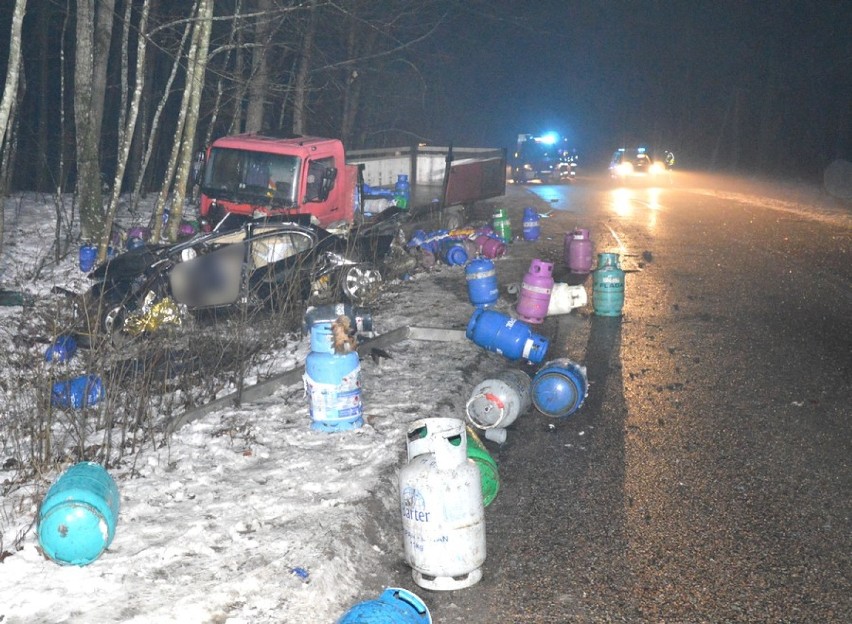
(443, 514)
(564, 298)
(498, 401)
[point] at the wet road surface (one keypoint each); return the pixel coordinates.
(707, 476)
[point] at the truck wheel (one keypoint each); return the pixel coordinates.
(360, 283)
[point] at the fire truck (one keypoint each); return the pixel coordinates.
(545, 158)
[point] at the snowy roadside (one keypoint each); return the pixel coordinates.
(247, 515)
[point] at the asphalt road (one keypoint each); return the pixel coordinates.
(707, 476)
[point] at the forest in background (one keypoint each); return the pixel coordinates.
(117, 96)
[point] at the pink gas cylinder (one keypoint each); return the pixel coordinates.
(490, 246)
(535, 292)
(578, 251)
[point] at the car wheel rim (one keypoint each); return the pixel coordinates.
(113, 320)
(360, 283)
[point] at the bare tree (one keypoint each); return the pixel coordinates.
(220, 80)
(151, 137)
(127, 119)
(302, 82)
(259, 81)
(87, 103)
(187, 148)
(358, 44)
(180, 161)
(10, 90)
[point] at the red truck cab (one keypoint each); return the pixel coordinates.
(255, 175)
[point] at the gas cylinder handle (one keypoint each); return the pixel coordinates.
(447, 453)
(408, 597)
(419, 439)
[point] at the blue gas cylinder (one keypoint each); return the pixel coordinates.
(77, 518)
(418, 237)
(608, 286)
(81, 391)
(61, 350)
(531, 224)
(507, 336)
(481, 282)
(433, 241)
(88, 255)
(332, 383)
(402, 192)
(134, 243)
(453, 252)
(559, 388)
(394, 606)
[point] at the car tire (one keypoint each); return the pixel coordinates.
(360, 283)
(112, 322)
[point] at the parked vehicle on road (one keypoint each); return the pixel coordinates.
(636, 163)
(544, 159)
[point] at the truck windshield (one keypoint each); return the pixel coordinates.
(252, 177)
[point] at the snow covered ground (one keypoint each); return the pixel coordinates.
(247, 515)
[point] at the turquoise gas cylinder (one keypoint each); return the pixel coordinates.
(332, 383)
(608, 286)
(78, 515)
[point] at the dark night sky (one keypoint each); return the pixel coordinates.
(664, 72)
(757, 85)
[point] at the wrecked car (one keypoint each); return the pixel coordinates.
(264, 263)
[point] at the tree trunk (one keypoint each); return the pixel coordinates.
(259, 81)
(151, 136)
(104, 18)
(42, 180)
(220, 82)
(88, 170)
(239, 79)
(10, 92)
(181, 158)
(300, 97)
(359, 44)
(59, 211)
(126, 130)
